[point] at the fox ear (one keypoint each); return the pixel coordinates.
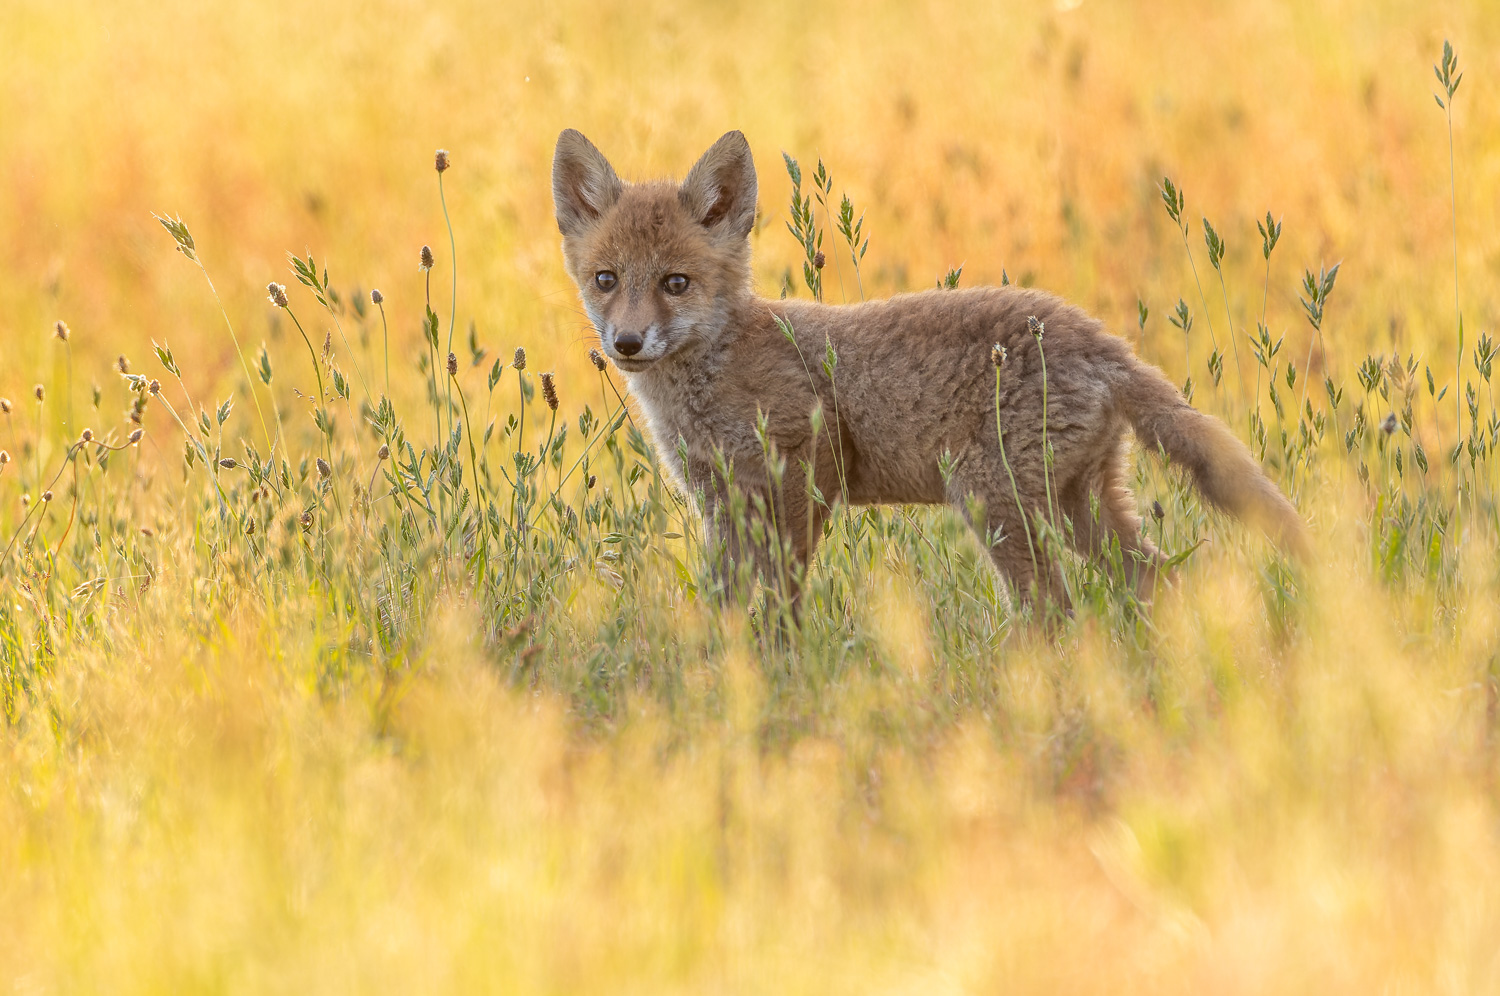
(720, 189)
(584, 184)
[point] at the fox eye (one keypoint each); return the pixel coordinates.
(675, 284)
(605, 280)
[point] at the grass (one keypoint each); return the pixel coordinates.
(370, 689)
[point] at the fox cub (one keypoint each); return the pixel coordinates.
(664, 272)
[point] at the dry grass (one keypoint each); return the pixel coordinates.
(581, 776)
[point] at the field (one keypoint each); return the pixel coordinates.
(346, 674)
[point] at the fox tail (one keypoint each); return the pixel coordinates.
(1220, 465)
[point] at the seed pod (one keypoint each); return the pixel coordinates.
(998, 355)
(228, 463)
(1036, 327)
(427, 262)
(305, 519)
(40, 392)
(135, 435)
(519, 360)
(46, 496)
(87, 436)
(452, 365)
(549, 391)
(383, 453)
(1157, 512)
(819, 260)
(593, 479)
(324, 471)
(440, 160)
(376, 297)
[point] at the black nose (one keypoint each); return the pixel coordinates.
(629, 343)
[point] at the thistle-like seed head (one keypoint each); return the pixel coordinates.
(519, 360)
(1036, 327)
(452, 365)
(549, 391)
(597, 359)
(440, 160)
(229, 463)
(376, 297)
(384, 453)
(39, 392)
(87, 436)
(61, 330)
(277, 293)
(427, 262)
(135, 435)
(998, 355)
(819, 260)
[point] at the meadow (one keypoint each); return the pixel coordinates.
(356, 641)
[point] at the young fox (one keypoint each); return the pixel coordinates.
(664, 273)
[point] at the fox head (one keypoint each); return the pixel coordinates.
(658, 265)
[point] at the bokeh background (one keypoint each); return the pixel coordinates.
(1025, 137)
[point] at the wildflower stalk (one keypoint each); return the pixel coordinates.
(188, 248)
(441, 160)
(998, 356)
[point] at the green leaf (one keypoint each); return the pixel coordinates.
(224, 409)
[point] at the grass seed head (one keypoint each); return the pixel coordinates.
(4, 406)
(135, 436)
(1388, 424)
(549, 391)
(519, 360)
(593, 480)
(122, 364)
(597, 359)
(384, 453)
(998, 355)
(154, 387)
(4, 457)
(305, 520)
(229, 463)
(61, 330)
(87, 436)
(324, 471)
(819, 260)
(46, 496)
(440, 160)
(452, 365)
(1157, 512)
(277, 293)
(39, 392)
(427, 262)
(376, 297)
(1036, 327)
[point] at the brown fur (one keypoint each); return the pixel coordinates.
(913, 380)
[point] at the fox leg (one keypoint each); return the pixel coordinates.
(1102, 510)
(991, 509)
(761, 532)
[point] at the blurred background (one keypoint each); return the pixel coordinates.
(1028, 138)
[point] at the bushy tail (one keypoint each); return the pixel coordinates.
(1222, 468)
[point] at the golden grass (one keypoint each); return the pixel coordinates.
(1236, 804)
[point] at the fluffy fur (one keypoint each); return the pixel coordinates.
(914, 380)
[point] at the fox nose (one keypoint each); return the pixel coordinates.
(629, 343)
